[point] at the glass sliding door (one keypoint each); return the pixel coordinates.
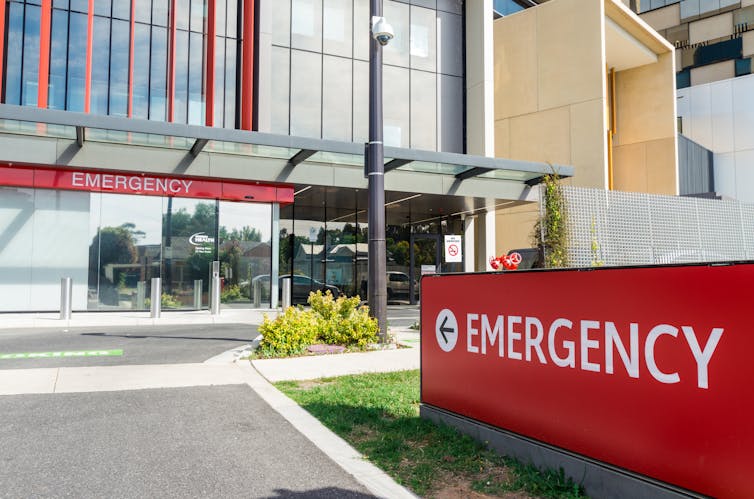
(245, 253)
(124, 250)
(189, 247)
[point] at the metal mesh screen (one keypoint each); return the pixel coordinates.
(626, 228)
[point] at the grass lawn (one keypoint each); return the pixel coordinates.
(378, 414)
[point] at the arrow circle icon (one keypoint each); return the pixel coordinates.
(446, 330)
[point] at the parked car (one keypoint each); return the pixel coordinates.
(301, 287)
(398, 286)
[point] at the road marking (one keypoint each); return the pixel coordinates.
(58, 355)
(446, 330)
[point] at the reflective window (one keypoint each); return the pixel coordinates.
(233, 18)
(181, 76)
(306, 24)
(102, 7)
(101, 54)
(58, 53)
(396, 119)
(397, 51)
(142, 11)
(220, 21)
(306, 93)
(158, 74)
(30, 70)
(336, 98)
(423, 39)
(122, 10)
(76, 61)
(423, 110)
(281, 22)
(182, 12)
(15, 50)
(337, 22)
(160, 12)
(230, 83)
(120, 40)
(141, 71)
(198, 15)
(279, 101)
(196, 109)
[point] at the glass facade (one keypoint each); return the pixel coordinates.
(112, 245)
(125, 82)
(319, 74)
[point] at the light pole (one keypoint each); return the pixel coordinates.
(381, 34)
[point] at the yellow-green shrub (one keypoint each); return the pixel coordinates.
(289, 334)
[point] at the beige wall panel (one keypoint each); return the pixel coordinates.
(661, 169)
(711, 28)
(514, 227)
(663, 18)
(570, 60)
(645, 100)
(677, 33)
(746, 3)
(748, 41)
(629, 170)
(588, 136)
(502, 138)
(713, 72)
(516, 64)
(544, 136)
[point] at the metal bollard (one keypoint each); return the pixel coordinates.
(66, 297)
(155, 307)
(214, 291)
(141, 295)
(285, 293)
(198, 294)
(257, 295)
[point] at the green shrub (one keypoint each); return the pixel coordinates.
(166, 301)
(230, 293)
(289, 334)
(333, 321)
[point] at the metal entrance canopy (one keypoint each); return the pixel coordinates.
(283, 155)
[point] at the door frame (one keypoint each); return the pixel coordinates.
(438, 260)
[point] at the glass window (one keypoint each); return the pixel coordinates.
(306, 94)
(336, 98)
(337, 23)
(160, 12)
(30, 72)
(182, 11)
(15, 53)
(450, 114)
(198, 14)
(361, 35)
(76, 61)
(397, 51)
(141, 71)
(423, 39)
(306, 24)
(158, 74)
(58, 56)
(181, 76)
(103, 7)
(196, 109)
(220, 17)
(396, 95)
(424, 110)
(122, 9)
(17, 234)
(361, 101)
(142, 11)
(219, 97)
(230, 83)
(233, 18)
(119, 68)
(80, 5)
(280, 87)
(281, 23)
(101, 54)
(60, 4)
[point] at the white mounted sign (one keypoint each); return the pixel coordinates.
(453, 249)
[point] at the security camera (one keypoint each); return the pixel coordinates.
(382, 31)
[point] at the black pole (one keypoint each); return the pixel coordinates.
(377, 290)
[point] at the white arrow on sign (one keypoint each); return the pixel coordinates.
(446, 330)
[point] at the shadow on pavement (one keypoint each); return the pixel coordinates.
(325, 493)
(143, 336)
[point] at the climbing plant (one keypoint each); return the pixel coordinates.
(550, 230)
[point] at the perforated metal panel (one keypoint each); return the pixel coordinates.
(625, 228)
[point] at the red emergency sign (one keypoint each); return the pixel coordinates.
(648, 369)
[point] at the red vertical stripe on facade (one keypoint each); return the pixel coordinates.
(88, 75)
(44, 52)
(247, 76)
(131, 63)
(210, 69)
(171, 63)
(2, 44)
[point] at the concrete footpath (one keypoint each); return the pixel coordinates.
(255, 375)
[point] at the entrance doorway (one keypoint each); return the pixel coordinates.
(425, 258)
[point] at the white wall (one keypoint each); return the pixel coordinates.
(43, 237)
(720, 117)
